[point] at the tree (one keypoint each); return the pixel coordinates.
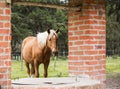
(113, 26)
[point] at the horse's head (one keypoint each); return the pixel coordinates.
(52, 40)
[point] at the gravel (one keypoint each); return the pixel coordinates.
(113, 83)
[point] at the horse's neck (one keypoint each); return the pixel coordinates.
(46, 50)
(42, 43)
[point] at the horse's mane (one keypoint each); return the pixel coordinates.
(42, 37)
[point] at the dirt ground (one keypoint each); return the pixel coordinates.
(113, 83)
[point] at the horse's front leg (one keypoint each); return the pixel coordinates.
(36, 65)
(46, 64)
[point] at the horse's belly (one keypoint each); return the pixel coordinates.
(30, 55)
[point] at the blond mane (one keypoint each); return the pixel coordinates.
(42, 37)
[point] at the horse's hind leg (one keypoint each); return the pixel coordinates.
(32, 69)
(28, 68)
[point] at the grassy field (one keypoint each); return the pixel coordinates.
(113, 67)
(61, 69)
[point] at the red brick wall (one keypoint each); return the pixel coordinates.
(87, 39)
(5, 45)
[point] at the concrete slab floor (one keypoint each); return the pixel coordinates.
(55, 82)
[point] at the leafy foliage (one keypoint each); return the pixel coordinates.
(113, 26)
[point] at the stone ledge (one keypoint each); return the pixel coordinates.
(55, 83)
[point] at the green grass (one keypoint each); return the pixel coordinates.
(61, 69)
(113, 67)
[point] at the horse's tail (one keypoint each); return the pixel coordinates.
(22, 56)
(21, 61)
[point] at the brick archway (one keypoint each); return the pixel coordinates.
(87, 41)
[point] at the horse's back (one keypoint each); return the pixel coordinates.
(28, 42)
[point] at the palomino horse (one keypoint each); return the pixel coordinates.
(37, 50)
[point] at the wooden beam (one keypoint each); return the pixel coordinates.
(40, 4)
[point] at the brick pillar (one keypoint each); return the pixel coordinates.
(87, 39)
(5, 45)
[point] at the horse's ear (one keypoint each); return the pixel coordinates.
(48, 31)
(57, 30)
